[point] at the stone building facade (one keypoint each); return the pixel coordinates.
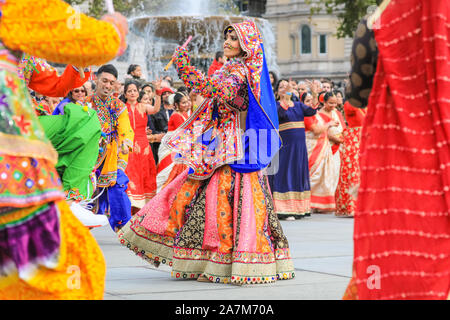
(307, 47)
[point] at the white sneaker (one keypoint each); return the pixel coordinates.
(290, 218)
(88, 218)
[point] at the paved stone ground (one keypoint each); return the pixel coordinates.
(321, 246)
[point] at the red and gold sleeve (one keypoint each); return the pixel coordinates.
(50, 84)
(310, 121)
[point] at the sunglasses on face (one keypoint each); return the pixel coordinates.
(78, 91)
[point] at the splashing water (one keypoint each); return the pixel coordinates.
(192, 7)
(196, 7)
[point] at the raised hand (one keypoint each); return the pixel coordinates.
(181, 57)
(157, 84)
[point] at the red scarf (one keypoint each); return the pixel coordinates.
(402, 244)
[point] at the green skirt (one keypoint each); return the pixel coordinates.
(75, 136)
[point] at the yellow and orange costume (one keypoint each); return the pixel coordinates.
(45, 252)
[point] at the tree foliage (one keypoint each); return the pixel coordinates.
(349, 12)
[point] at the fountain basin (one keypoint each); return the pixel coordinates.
(177, 27)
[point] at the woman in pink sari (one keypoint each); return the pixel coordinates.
(323, 139)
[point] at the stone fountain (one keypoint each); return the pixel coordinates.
(153, 39)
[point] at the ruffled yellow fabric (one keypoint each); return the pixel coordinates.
(53, 30)
(80, 274)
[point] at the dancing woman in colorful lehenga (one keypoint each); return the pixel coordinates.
(215, 222)
(72, 128)
(75, 133)
(43, 247)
